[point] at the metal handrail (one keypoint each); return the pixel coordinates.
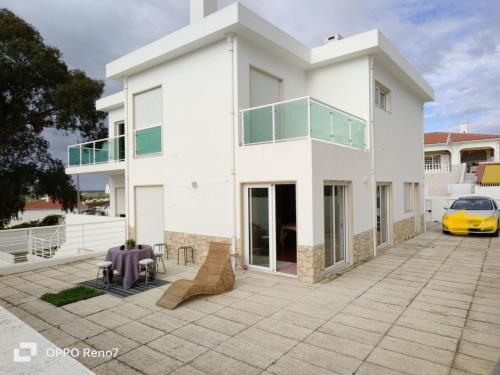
(81, 147)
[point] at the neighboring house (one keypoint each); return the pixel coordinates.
(37, 210)
(304, 159)
(451, 159)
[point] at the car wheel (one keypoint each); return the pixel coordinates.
(445, 232)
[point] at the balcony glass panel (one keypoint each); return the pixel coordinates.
(357, 133)
(321, 122)
(101, 151)
(117, 148)
(290, 119)
(340, 128)
(74, 155)
(148, 141)
(258, 125)
(87, 153)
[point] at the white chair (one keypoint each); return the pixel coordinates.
(145, 264)
(105, 267)
(159, 251)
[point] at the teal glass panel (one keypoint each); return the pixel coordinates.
(357, 134)
(148, 141)
(290, 119)
(258, 125)
(87, 154)
(117, 148)
(340, 128)
(321, 122)
(102, 151)
(74, 155)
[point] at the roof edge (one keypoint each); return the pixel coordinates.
(110, 102)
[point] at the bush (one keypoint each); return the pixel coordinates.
(46, 221)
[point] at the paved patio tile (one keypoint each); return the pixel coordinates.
(405, 363)
(200, 335)
(312, 311)
(363, 323)
(332, 361)
(377, 306)
(139, 332)
(483, 338)
(115, 367)
(202, 306)
(238, 316)
(87, 360)
(422, 337)
(177, 348)
(221, 325)
(298, 319)
(57, 316)
(188, 370)
(368, 368)
(473, 365)
(483, 327)
(109, 340)
(387, 317)
(184, 313)
(82, 329)
(36, 322)
(479, 350)
(36, 306)
(422, 351)
(149, 361)
(83, 308)
(216, 363)
(256, 347)
(59, 337)
(131, 311)
(284, 329)
(339, 345)
(445, 310)
(108, 319)
(255, 308)
(163, 322)
(435, 317)
(429, 326)
(359, 335)
(288, 365)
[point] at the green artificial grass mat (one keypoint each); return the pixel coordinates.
(71, 295)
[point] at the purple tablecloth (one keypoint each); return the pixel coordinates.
(126, 262)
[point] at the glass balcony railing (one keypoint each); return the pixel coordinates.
(302, 118)
(97, 152)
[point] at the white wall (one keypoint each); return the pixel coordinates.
(114, 116)
(196, 142)
(115, 181)
(398, 140)
(30, 215)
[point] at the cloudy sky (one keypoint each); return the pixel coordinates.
(454, 44)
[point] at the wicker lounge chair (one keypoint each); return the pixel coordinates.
(214, 276)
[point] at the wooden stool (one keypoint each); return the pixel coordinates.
(185, 250)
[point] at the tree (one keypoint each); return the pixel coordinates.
(38, 91)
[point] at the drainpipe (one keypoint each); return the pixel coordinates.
(232, 123)
(127, 156)
(372, 149)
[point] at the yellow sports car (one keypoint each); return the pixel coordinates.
(472, 215)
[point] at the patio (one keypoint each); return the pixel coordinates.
(431, 305)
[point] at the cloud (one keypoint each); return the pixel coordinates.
(454, 44)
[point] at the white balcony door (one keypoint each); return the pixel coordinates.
(264, 88)
(149, 214)
(119, 201)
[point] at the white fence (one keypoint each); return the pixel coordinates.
(39, 244)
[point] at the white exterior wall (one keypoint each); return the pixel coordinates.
(345, 86)
(456, 148)
(398, 141)
(30, 215)
(195, 145)
(115, 181)
(114, 116)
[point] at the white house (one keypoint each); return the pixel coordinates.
(304, 159)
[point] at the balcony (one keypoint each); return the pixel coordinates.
(95, 156)
(302, 118)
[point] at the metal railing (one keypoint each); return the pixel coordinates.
(304, 117)
(37, 244)
(97, 152)
(436, 168)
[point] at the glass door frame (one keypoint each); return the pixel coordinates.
(345, 187)
(272, 239)
(388, 192)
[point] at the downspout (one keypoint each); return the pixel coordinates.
(127, 157)
(372, 150)
(232, 124)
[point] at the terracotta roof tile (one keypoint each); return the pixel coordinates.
(442, 137)
(42, 204)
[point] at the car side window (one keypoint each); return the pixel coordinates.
(494, 205)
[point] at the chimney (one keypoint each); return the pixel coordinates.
(334, 38)
(464, 127)
(199, 9)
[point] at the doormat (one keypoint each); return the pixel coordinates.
(116, 288)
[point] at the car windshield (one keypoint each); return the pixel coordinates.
(472, 204)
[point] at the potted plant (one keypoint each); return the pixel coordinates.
(130, 243)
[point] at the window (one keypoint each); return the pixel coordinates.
(264, 88)
(148, 119)
(432, 160)
(408, 196)
(382, 97)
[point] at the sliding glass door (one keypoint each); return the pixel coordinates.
(382, 214)
(335, 220)
(259, 226)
